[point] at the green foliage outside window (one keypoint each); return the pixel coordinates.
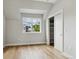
(36, 27)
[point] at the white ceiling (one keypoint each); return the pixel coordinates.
(47, 1)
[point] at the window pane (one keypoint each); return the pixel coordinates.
(31, 24)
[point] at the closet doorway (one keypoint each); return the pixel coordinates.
(55, 31)
(51, 30)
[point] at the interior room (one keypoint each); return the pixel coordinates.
(39, 29)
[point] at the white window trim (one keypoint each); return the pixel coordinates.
(33, 11)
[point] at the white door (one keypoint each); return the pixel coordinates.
(58, 31)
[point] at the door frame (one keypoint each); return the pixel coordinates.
(47, 26)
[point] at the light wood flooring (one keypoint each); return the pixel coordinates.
(32, 52)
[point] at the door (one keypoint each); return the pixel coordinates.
(58, 31)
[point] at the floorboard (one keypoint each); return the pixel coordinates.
(32, 52)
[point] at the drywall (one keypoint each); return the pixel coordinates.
(69, 24)
(17, 36)
(15, 33)
(4, 31)
(12, 7)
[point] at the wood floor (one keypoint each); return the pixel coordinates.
(32, 52)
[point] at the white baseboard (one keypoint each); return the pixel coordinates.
(25, 43)
(67, 55)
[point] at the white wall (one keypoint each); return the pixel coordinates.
(69, 24)
(12, 7)
(16, 35)
(14, 24)
(4, 31)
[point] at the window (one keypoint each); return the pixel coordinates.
(31, 24)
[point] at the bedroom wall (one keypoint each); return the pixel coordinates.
(4, 31)
(69, 24)
(14, 24)
(17, 36)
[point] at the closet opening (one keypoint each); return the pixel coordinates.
(51, 30)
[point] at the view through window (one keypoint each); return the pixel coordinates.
(31, 24)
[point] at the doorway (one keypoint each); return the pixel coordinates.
(55, 31)
(51, 30)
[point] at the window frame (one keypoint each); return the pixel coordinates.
(31, 32)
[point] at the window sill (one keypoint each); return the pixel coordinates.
(30, 32)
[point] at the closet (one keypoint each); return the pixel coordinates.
(51, 30)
